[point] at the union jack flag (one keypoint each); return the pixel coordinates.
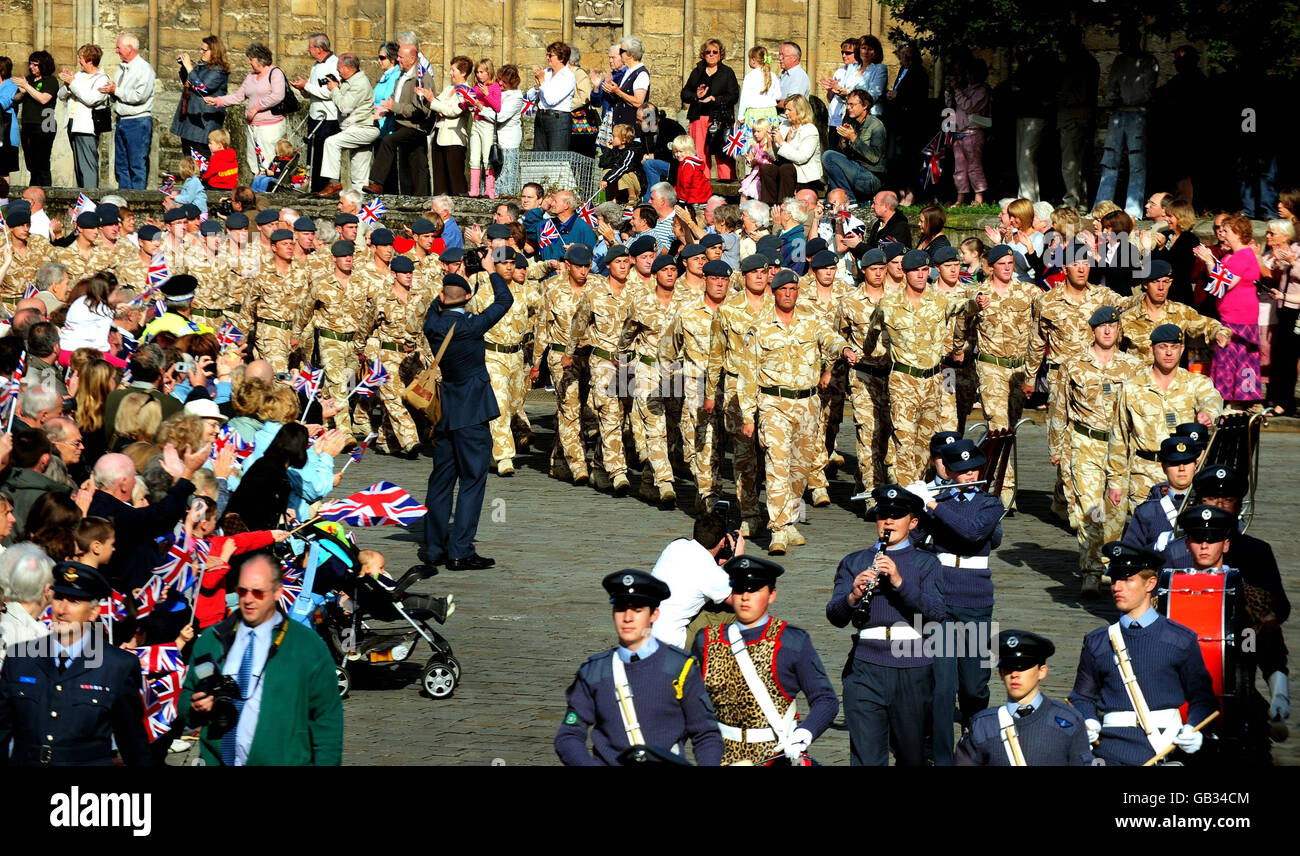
(9, 390)
(371, 212)
(47, 617)
(229, 336)
(29, 291)
(149, 596)
(159, 658)
(466, 96)
(22, 367)
(966, 278)
(158, 718)
(84, 203)
(290, 588)
(376, 376)
(257, 151)
(113, 609)
(530, 108)
(228, 436)
(160, 695)
(361, 448)
(198, 86)
(588, 214)
(851, 223)
(381, 504)
(549, 234)
(177, 570)
(1221, 279)
(737, 142)
(158, 273)
(159, 307)
(168, 184)
(308, 380)
(932, 158)
(199, 159)
(423, 67)
(627, 212)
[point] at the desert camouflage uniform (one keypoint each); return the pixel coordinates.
(685, 345)
(337, 310)
(212, 296)
(243, 267)
(504, 355)
(278, 306)
(832, 397)
(647, 320)
(868, 387)
(391, 329)
(727, 352)
(554, 323)
(1138, 325)
(597, 325)
(22, 270)
(1144, 416)
(961, 382)
(80, 266)
(1086, 397)
(118, 253)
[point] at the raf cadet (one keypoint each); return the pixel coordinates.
(1134, 675)
(642, 693)
(755, 666)
(1152, 525)
(66, 696)
(887, 591)
(961, 524)
(1030, 730)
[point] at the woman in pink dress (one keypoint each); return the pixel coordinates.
(1236, 366)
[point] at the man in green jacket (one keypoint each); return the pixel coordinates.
(287, 711)
(855, 154)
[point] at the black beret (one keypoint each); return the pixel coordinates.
(1167, 333)
(87, 220)
(281, 235)
(521, 260)
(1125, 560)
(267, 216)
(191, 210)
(344, 248)
(823, 259)
(381, 238)
(403, 264)
(635, 587)
(1020, 649)
(643, 244)
(235, 220)
(1159, 270)
(962, 455)
(210, 227)
(753, 262)
(872, 258)
(999, 251)
(449, 256)
(815, 246)
(783, 277)
(1104, 315)
(17, 215)
(944, 255)
(175, 215)
(423, 226)
(146, 232)
(690, 251)
(751, 573)
(915, 260)
(616, 251)
(304, 224)
(662, 262)
(893, 250)
(713, 239)
(345, 220)
(717, 267)
(80, 582)
(109, 214)
(770, 246)
(1178, 450)
(495, 232)
(941, 439)
(580, 255)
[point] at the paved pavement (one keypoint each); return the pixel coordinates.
(521, 629)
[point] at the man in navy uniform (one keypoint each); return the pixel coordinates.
(962, 525)
(1134, 675)
(755, 666)
(888, 679)
(64, 697)
(1152, 524)
(641, 693)
(1030, 730)
(462, 442)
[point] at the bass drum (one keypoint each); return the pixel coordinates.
(1211, 603)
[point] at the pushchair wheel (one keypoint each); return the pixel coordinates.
(440, 678)
(454, 664)
(344, 680)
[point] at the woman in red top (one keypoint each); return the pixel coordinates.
(693, 187)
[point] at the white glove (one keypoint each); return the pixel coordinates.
(1094, 730)
(1279, 706)
(920, 489)
(1188, 740)
(798, 744)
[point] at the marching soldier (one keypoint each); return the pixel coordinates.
(895, 280)
(65, 697)
(1149, 407)
(641, 693)
(916, 320)
(395, 323)
(789, 344)
(242, 260)
(1152, 524)
(319, 265)
(339, 302)
(560, 299)
(277, 303)
(728, 350)
(961, 374)
(115, 250)
(267, 222)
(1088, 389)
(823, 293)
(692, 260)
(83, 256)
(961, 525)
(347, 227)
(1135, 674)
(597, 325)
(887, 592)
(135, 273)
(755, 666)
(29, 252)
(1061, 330)
(685, 346)
(1003, 324)
(648, 317)
(869, 377)
(206, 264)
(1033, 730)
(428, 270)
(643, 252)
(1142, 313)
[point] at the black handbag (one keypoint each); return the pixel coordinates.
(289, 104)
(716, 137)
(102, 118)
(496, 159)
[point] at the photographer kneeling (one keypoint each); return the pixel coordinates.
(258, 655)
(691, 568)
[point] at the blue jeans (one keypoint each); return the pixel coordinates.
(853, 178)
(132, 139)
(655, 172)
(1127, 132)
(1259, 188)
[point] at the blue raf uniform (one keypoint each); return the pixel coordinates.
(64, 706)
(1166, 660)
(1044, 732)
(786, 664)
(666, 689)
(888, 679)
(1152, 524)
(962, 526)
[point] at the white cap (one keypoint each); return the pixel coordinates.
(205, 407)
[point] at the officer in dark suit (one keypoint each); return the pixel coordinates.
(462, 442)
(642, 693)
(1030, 730)
(64, 696)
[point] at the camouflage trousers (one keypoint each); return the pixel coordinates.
(507, 374)
(397, 420)
(830, 409)
(869, 395)
(569, 384)
(1142, 476)
(652, 406)
(790, 432)
(961, 387)
(744, 449)
(1002, 396)
(1100, 521)
(274, 346)
(702, 434)
(914, 406)
(607, 384)
(339, 360)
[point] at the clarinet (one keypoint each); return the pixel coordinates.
(862, 612)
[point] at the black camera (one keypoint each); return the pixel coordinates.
(224, 691)
(225, 207)
(722, 508)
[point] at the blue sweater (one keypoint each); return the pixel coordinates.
(1149, 519)
(964, 527)
(1167, 661)
(1051, 736)
(666, 721)
(917, 601)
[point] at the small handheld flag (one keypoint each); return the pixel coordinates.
(158, 273)
(371, 212)
(588, 214)
(200, 160)
(530, 108)
(376, 376)
(549, 234)
(381, 504)
(737, 142)
(1221, 279)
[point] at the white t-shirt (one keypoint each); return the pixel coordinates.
(693, 576)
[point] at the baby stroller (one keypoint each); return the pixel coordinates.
(344, 621)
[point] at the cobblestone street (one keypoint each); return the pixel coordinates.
(522, 628)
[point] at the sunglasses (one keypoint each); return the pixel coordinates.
(711, 53)
(847, 53)
(258, 594)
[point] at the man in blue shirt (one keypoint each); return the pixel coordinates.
(572, 228)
